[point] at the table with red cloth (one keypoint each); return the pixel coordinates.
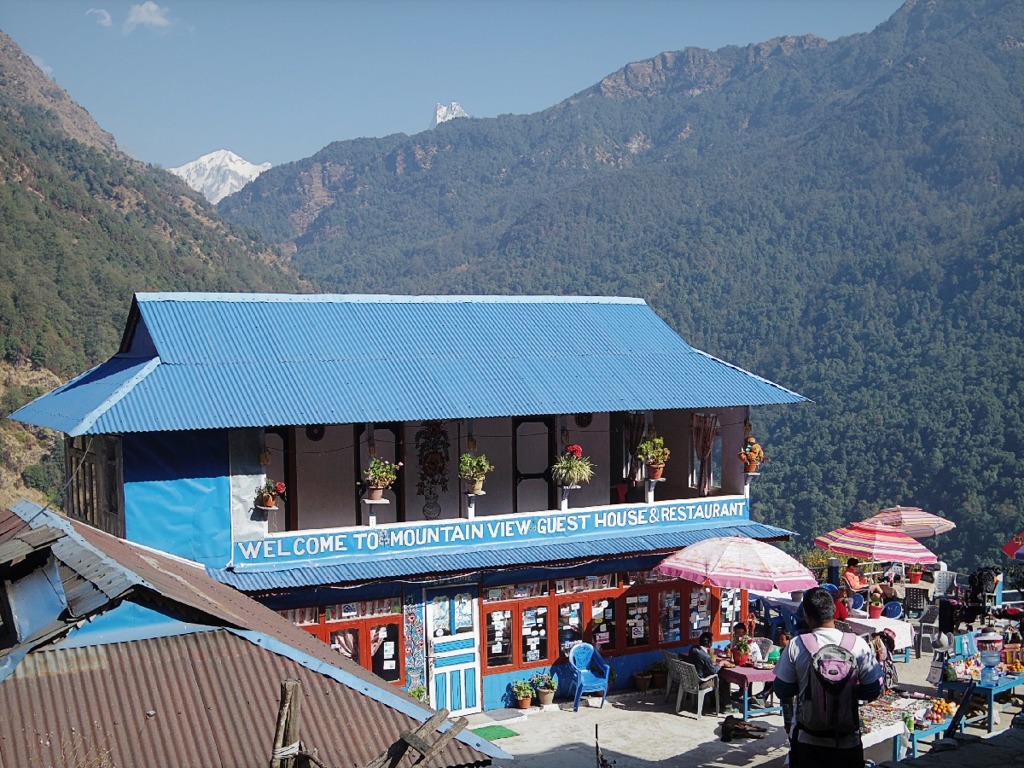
(744, 677)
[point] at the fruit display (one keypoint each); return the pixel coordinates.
(939, 711)
(1015, 667)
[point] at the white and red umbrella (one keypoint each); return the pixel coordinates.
(913, 521)
(739, 563)
(876, 542)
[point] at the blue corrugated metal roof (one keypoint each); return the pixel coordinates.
(206, 361)
(475, 559)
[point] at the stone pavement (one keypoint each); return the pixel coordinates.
(641, 731)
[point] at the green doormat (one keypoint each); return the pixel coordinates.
(494, 732)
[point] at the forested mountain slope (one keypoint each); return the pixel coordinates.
(844, 218)
(83, 226)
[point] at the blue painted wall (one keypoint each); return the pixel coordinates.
(177, 493)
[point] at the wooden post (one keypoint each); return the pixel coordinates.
(285, 730)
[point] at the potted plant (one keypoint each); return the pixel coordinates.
(752, 455)
(654, 454)
(267, 493)
(875, 605)
(572, 468)
(473, 469)
(419, 692)
(381, 474)
(545, 685)
(741, 651)
(915, 573)
(522, 692)
(642, 680)
(659, 674)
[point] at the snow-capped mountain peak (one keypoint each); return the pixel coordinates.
(218, 174)
(445, 112)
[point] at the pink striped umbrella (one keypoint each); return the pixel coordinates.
(876, 542)
(1015, 547)
(739, 563)
(912, 521)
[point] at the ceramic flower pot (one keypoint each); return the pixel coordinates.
(750, 467)
(374, 493)
(267, 500)
(525, 702)
(875, 611)
(545, 696)
(475, 486)
(654, 471)
(914, 577)
(740, 659)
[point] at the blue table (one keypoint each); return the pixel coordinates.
(919, 734)
(1005, 683)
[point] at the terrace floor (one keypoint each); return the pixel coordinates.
(641, 731)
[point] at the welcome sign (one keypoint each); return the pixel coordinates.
(435, 537)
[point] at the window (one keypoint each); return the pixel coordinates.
(94, 491)
(705, 454)
(670, 622)
(369, 632)
(517, 622)
(602, 623)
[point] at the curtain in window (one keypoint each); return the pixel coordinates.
(704, 430)
(634, 434)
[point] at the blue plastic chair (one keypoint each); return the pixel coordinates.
(832, 588)
(590, 673)
(892, 610)
(858, 601)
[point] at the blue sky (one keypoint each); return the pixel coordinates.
(277, 80)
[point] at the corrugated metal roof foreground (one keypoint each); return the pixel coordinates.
(207, 698)
(198, 361)
(471, 560)
(132, 674)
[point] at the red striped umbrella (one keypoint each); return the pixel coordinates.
(875, 542)
(740, 563)
(912, 521)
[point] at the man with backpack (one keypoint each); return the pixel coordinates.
(829, 672)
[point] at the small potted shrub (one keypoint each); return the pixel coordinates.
(473, 469)
(654, 454)
(572, 468)
(419, 692)
(752, 455)
(381, 474)
(642, 680)
(267, 493)
(545, 686)
(522, 692)
(741, 651)
(875, 605)
(915, 573)
(659, 674)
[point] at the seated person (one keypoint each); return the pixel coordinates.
(852, 577)
(843, 603)
(739, 629)
(700, 657)
(858, 583)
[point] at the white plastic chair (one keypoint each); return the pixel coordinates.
(690, 682)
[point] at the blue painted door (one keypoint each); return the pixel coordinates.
(453, 661)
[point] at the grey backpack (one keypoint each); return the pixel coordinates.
(829, 705)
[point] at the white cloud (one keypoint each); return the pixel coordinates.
(38, 61)
(149, 14)
(102, 17)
